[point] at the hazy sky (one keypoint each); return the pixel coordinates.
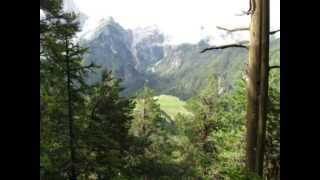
(182, 20)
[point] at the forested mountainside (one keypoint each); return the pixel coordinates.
(141, 57)
(91, 131)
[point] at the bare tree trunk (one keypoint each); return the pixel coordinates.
(264, 77)
(73, 175)
(253, 85)
(257, 82)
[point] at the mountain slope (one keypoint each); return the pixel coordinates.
(110, 48)
(140, 57)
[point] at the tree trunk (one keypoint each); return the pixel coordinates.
(264, 78)
(73, 175)
(253, 85)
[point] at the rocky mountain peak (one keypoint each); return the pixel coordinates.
(149, 34)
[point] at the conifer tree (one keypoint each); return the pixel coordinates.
(106, 137)
(147, 114)
(62, 88)
(204, 106)
(151, 131)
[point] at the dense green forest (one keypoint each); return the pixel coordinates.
(90, 130)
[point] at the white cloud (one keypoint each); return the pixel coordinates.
(180, 19)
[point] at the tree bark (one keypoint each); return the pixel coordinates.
(257, 82)
(73, 175)
(264, 77)
(253, 85)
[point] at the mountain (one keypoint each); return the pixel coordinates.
(147, 46)
(128, 53)
(141, 57)
(111, 48)
(185, 69)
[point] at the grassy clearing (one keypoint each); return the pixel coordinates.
(172, 105)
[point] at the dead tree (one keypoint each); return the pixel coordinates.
(264, 83)
(253, 84)
(257, 81)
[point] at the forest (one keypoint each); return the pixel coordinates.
(191, 123)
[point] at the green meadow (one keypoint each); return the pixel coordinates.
(172, 105)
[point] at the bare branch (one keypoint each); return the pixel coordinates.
(237, 45)
(273, 32)
(252, 7)
(225, 46)
(273, 67)
(232, 30)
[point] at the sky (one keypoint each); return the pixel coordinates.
(183, 21)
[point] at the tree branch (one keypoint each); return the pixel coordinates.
(273, 32)
(252, 7)
(78, 51)
(238, 45)
(273, 67)
(91, 65)
(225, 46)
(232, 30)
(250, 11)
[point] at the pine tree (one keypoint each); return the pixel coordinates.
(204, 107)
(105, 136)
(151, 131)
(62, 91)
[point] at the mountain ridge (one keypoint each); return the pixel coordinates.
(140, 57)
